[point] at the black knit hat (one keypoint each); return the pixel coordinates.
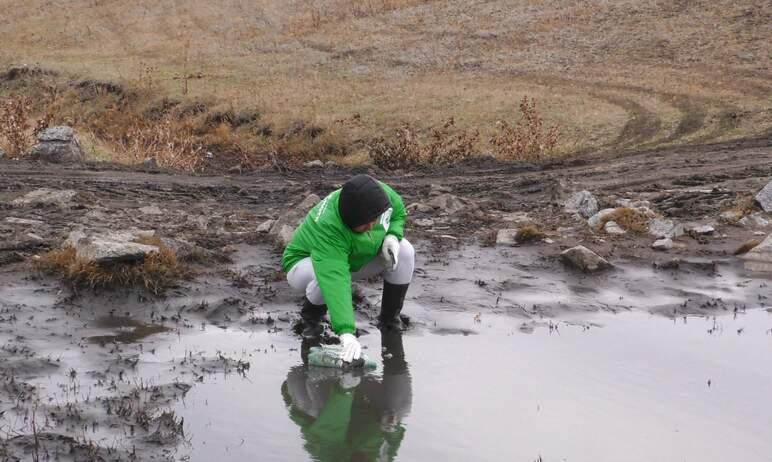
(362, 200)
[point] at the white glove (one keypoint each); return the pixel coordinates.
(349, 381)
(390, 251)
(351, 348)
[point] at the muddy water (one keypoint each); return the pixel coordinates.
(614, 387)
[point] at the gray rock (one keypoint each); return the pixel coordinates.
(764, 197)
(596, 221)
(101, 250)
(760, 257)
(436, 190)
(150, 162)
(45, 196)
(613, 228)
(424, 222)
(265, 226)
(447, 203)
(584, 259)
(700, 230)
(663, 244)
(506, 236)
(285, 225)
(520, 218)
(57, 144)
(423, 208)
(583, 203)
(661, 228)
(2, 154)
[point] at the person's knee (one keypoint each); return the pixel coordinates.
(314, 293)
(406, 251)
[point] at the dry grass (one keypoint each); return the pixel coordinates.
(529, 233)
(158, 271)
(612, 75)
(628, 219)
(528, 139)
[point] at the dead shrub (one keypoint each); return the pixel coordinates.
(629, 219)
(529, 233)
(449, 147)
(170, 142)
(403, 152)
(158, 271)
(527, 140)
(15, 126)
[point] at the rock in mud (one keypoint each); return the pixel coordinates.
(584, 259)
(447, 203)
(596, 221)
(764, 197)
(663, 244)
(45, 196)
(284, 227)
(100, 250)
(423, 208)
(57, 144)
(506, 236)
(424, 222)
(613, 228)
(151, 210)
(759, 258)
(2, 154)
(23, 221)
(583, 203)
(314, 164)
(662, 228)
(265, 226)
(700, 230)
(730, 216)
(756, 220)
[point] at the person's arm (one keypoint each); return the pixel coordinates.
(330, 261)
(398, 214)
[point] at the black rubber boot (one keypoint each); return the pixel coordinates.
(312, 316)
(391, 305)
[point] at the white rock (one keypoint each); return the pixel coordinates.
(506, 237)
(447, 203)
(151, 210)
(583, 203)
(730, 216)
(660, 227)
(520, 218)
(100, 250)
(584, 259)
(597, 220)
(700, 230)
(613, 228)
(265, 226)
(314, 164)
(23, 221)
(663, 244)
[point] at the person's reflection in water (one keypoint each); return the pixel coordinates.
(348, 416)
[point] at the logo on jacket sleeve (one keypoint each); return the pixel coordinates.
(386, 218)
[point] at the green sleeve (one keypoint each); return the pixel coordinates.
(332, 425)
(398, 214)
(330, 261)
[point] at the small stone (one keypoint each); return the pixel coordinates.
(314, 164)
(584, 259)
(700, 230)
(506, 237)
(436, 190)
(447, 203)
(35, 237)
(613, 228)
(2, 154)
(284, 235)
(764, 197)
(583, 203)
(151, 210)
(663, 244)
(101, 250)
(548, 241)
(265, 226)
(520, 218)
(660, 227)
(424, 222)
(597, 220)
(756, 220)
(150, 162)
(423, 208)
(23, 221)
(57, 144)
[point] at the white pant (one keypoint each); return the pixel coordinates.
(302, 278)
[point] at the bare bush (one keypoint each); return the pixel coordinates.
(527, 139)
(170, 143)
(403, 152)
(14, 125)
(448, 147)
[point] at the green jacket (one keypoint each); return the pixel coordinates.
(336, 251)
